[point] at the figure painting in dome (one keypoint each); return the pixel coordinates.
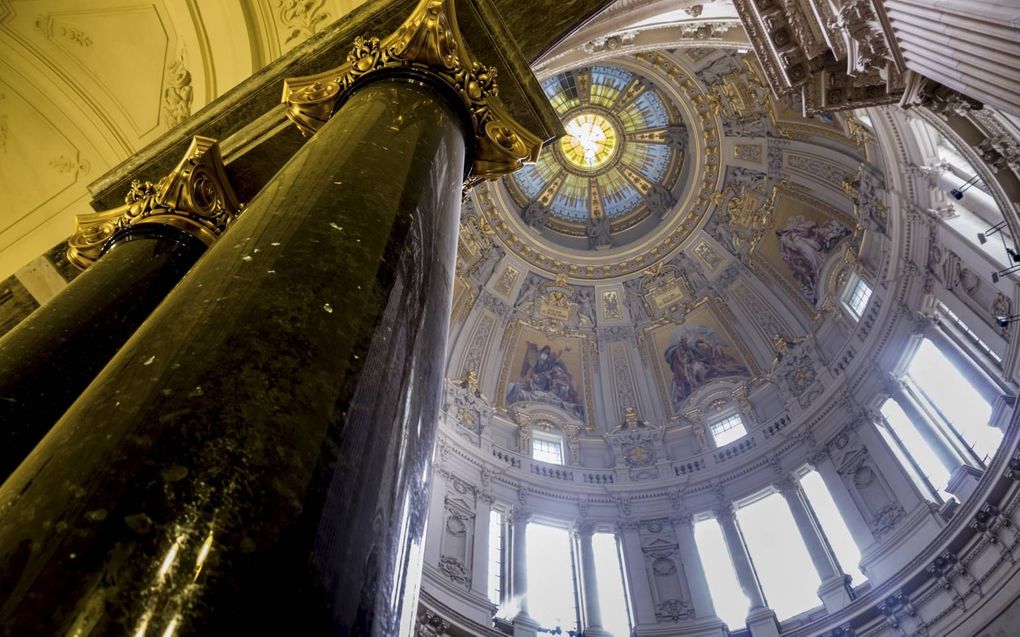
(544, 377)
(696, 356)
(804, 245)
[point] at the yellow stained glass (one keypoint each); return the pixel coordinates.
(590, 140)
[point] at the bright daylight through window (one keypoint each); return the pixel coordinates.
(547, 450)
(788, 578)
(857, 297)
(550, 577)
(612, 594)
(728, 430)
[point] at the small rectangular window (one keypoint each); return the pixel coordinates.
(727, 430)
(857, 296)
(547, 450)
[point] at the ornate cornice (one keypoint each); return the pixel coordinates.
(429, 40)
(195, 197)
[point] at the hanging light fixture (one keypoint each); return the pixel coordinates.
(1003, 321)
(957, 193)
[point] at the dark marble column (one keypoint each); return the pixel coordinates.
(50, 357)
(255, 459)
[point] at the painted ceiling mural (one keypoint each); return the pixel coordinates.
(675, 250)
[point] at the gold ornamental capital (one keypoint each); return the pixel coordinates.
(195, 197)
(428, 40)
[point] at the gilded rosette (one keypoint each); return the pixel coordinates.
(195, 197)
(428, 40)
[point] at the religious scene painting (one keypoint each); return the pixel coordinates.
(800, 243)
(547, 370)
(695, 353)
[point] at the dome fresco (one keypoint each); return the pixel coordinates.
(618, 165)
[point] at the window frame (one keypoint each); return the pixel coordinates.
(850, 292)
(549, 439)
(735, 416)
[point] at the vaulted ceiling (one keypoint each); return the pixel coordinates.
(85, 84)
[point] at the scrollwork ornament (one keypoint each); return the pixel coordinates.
(195, 197)
(428, 40)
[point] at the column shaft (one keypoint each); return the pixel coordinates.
(480, 548)
(49, 359)
(823, 561)
(437, 518)
(927, 429)
(906, 491)
(264, 440)
(592, 611)
(741, 559)
(984, 385)
(693, 568)
(519, 578)
(848, 509)
(637, 575)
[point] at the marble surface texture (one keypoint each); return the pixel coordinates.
(49, 359)
(255, 460)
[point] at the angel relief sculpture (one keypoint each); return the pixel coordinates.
(544, 377)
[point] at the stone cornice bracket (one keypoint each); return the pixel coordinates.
(196, 197)
(429, 40)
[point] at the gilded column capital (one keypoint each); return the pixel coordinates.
(195, 197)
(429, 40)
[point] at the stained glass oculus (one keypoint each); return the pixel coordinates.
(590, 140)
(616, 169)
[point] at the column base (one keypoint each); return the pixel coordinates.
(1002, 412)
(963, 482)
(834, 594)
(525, 625)
(597, 631)
(713, 627)
(762, 622)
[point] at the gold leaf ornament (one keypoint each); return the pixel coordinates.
(428, 40)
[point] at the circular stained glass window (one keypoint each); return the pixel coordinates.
(614, 175)
(590, 140)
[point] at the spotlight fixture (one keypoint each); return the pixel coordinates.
(999, 227)
(1005, 271)
(1003, 321)
(957, 193)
